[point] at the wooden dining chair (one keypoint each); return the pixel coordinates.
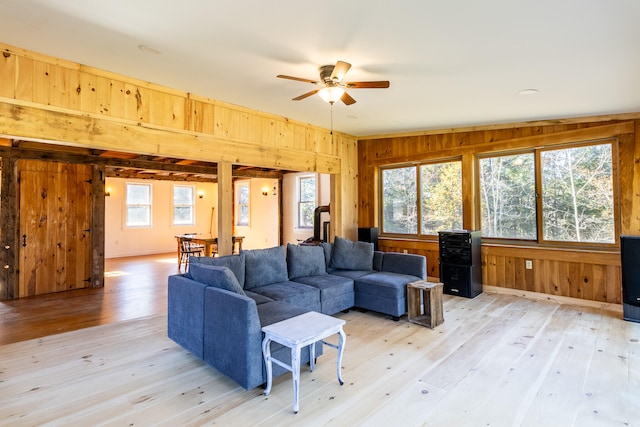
(188, 248)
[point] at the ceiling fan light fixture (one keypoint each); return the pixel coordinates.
(331, 94)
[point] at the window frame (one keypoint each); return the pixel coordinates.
(300, 203)
(149, 205)
(191, 205)
(538, 179)
(419, 199)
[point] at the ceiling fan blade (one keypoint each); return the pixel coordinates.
(347, 99)
(340, 70)
(306, 95)
(383, 84)
(299, 79)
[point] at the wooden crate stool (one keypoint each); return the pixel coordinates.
(425, 303)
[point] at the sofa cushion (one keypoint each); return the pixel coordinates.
(295, 293)
(349, 255)
(411, 264)
(351, 274)
(383, 284)
(377, 260)
(265, 266)
(277, 311)
(218, 277)
(235, 263)
(305, 261)
(330, 286)
(328, 248)
(259, 299)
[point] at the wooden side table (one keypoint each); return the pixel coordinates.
(425, 303)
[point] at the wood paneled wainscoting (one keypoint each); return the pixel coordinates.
(588, 275)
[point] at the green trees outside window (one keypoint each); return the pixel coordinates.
(575, 187)
(436, 206)
(561, 194)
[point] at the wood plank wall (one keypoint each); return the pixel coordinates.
(579, 273)
(52, 100)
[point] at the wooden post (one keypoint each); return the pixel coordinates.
(97, 226)
(9, 229)
(225, 208)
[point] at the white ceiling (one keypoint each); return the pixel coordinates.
(451, 63)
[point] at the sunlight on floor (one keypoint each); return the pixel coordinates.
(172, 260)
(116, 273)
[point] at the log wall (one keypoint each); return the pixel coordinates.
(572, 272)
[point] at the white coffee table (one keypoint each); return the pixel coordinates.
(295, 333)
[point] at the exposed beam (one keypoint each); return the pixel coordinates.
(72, 157)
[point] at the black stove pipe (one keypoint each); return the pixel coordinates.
(316, 222)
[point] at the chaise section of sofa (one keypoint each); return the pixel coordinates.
(380, 278)
(385, 291)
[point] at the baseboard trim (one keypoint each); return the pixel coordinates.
(537, 296)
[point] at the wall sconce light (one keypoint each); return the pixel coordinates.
(265, 190)
(200, 194)
(107, 192)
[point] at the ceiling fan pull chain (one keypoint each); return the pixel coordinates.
(331, 129)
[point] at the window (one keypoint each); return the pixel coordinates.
(425, 197)
(242, 203)
(572, 200)
(508, 196)
(306, 201)
(399, 201)
(183, 204)
(138, 205)
(577, 194)
(441, 197)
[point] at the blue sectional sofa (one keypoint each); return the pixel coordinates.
(218, 308)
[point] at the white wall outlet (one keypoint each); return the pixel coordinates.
(528, 264)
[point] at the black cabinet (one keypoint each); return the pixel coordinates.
(461, 262)
(369, 235)
(630, 254)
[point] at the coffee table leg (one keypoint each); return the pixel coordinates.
(341, 342)
(295, 370)
(266, 352)
(312, 357)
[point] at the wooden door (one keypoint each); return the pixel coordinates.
(55, 220)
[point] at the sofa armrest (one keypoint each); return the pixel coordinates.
(233, 336)
(185, 313)
(411, 264)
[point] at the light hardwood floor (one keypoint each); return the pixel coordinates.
(498, 360)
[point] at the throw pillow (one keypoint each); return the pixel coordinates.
(304, 261)
(265, 266)
(235, 263)
(218, 277)
(348, 255)
(328, 248)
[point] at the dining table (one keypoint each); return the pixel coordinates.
(209, 243)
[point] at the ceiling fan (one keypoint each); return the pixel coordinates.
(333, 88)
